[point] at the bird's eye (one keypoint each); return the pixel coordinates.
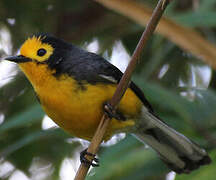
(41, 52)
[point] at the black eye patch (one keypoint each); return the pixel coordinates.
(41, 52)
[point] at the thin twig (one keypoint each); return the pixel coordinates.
(186, 38)
(122, 86)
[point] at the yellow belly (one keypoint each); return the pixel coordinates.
(78, 111)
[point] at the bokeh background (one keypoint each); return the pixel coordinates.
(176, 72)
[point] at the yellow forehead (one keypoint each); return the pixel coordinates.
(32, 45)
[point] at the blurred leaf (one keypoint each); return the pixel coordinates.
(207, 5)
(49, 145)
(27, 140)
(186, 38)
(29, 116)
(197, 19)
(128, 160)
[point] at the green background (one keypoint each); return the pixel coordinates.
(184, 96)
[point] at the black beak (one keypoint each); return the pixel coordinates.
(18, 59)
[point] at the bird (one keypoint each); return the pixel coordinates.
(73, 85)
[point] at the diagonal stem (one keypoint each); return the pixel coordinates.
(122, 86)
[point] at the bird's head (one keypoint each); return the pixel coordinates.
(39, 49)
(41, 54)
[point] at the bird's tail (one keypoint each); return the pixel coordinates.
(178, 152)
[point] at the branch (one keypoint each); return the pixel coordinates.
(122, 86)
(185, 37)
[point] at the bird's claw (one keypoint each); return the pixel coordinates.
(83, 159)
(110, 111)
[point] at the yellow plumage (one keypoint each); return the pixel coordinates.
(78, 112)
(73, 86)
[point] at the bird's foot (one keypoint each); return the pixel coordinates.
(83, 159)
(111, 112)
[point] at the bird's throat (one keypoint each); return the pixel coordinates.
(38, 74)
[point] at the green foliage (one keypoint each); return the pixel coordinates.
(127, 160)
(176, 83)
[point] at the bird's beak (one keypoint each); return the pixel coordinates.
(18, 59)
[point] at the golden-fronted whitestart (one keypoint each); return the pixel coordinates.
(72, 86)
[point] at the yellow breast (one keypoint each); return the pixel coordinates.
(78, 111)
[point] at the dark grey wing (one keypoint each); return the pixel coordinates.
(89, 67)
(109, 72)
